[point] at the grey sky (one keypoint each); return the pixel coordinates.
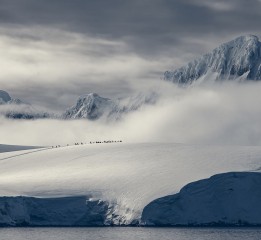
(54, 50)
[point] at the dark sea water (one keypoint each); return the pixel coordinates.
(130, 233)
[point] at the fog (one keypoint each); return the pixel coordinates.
(224, 113)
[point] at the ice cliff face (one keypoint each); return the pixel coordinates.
(67, 211)
(91, 106)
(229, 61)
(224, 199)
(63, 211)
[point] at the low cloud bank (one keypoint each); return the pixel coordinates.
(226, 113)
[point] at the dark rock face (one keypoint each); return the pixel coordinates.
(67, 211)
(229, 61)
(4, 97)
(228, 199)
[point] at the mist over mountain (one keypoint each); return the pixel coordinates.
(90, 106)
(14, 108)
(239, 57)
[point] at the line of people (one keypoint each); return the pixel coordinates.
(95, 142)
(119, 141)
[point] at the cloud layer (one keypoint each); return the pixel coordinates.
(225, 113)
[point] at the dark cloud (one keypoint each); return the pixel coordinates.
(149, 26)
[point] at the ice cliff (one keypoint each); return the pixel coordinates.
(67, 211)
(225, 199)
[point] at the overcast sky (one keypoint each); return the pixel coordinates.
(55, 50)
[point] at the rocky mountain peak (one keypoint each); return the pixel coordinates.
(228, 61)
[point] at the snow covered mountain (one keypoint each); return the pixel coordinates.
(91, 106)
(241, 56)
(123, 177)
(224, 199)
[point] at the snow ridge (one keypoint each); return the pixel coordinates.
(228, 61)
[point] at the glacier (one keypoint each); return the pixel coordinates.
(226, 62)
(124, 177)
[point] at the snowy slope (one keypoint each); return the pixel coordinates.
(229, 61)
(12, 148)
(128, 176)
(224, 199)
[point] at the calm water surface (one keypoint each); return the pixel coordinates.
(130, 233)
